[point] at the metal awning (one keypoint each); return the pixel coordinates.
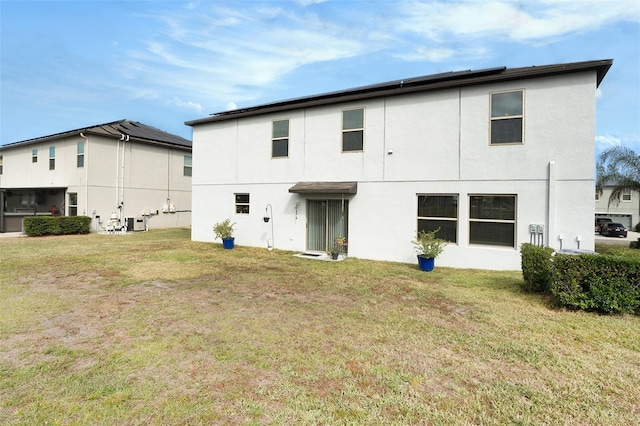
(324, 188)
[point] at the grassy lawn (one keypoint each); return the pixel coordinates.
(153, 328)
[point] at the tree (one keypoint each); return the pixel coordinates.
(618, 166)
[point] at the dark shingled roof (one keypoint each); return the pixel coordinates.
(136, 131)
(416, 84)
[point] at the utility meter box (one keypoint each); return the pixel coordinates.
(138, 224)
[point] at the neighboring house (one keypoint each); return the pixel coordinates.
(110, 172)
(482, 155)
(626, 211)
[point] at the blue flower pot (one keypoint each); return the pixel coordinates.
(426, 264)
(227, 243)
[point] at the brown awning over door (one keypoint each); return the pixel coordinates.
(324, 188)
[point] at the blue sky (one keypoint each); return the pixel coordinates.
(72, 64)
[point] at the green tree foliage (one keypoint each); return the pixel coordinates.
(618, 166)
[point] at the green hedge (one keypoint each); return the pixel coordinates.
(536, 267)
(592, 282)
(35, 226)
(603, 283)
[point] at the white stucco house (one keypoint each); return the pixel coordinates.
(122, 173)
(626, 211)
(482, 155)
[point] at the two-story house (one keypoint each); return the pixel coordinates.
(493, 158)
(626, 211)
(118, 173)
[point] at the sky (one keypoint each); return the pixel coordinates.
(65, 65)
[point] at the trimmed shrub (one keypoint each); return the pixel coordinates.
(635, 244)
(35, 226)
(603, 283)
(536, 267)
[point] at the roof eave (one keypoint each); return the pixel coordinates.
(424, 84)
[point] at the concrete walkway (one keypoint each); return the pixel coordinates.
(11, 234)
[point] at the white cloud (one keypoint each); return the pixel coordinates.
(607, 140)
(598, 93)
(230, 106)
(531, 22)
(212, 52)
(187, 104)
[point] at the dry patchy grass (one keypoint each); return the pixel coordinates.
(152, 328)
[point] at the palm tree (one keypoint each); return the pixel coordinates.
(618, 166)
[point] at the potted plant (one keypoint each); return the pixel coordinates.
(224, 231)
(428, 247)
(338, 247)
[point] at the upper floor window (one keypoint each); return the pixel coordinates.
(492, 220)
(280, 138)
(507, 117)
(1, 161)
(187, 169)
(52, 158)
(626, 195)
(34, 155)
(353, 130)
(80, 156)
(439, 212)
(242, 203)
(597, 196)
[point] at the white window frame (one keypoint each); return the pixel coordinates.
(626, 196)
(506, 117)
(241, 206)
(72, 206)
(353, 129)
(455, 219)
(34, 155)
(187, 159)
(52, 157)
(279, 138)
(80, 154)
(513, 221)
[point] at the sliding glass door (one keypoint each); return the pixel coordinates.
(326, 220)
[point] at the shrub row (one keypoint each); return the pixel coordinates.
(35, 226)
(603, 283)
(536, 267)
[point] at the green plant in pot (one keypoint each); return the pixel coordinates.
(338, 247)
(224, 231)
(428, 247)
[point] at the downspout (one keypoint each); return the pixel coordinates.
(125, 138)
(118, 170)
(551, 205)
(86, 173)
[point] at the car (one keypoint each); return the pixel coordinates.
(600, 221)
(613, 229)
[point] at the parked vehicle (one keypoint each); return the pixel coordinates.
(612, 229)
(600, 221)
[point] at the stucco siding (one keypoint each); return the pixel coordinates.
(432, 142)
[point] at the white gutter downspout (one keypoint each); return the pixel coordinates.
(86, 173)
(551, 206)
(118, 171)
(123, 138)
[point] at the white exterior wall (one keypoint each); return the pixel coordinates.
(141, 176)
(440, 144)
